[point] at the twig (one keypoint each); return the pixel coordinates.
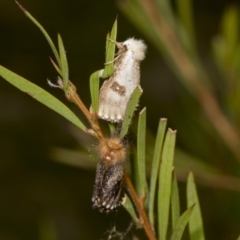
(190, 73)
(143, 219)
(72, 96)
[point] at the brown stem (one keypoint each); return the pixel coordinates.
(191, 75)
(92, 120)
(72, 96)
(80, 104)
(143, 219)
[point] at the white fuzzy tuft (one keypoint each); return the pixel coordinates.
(137, 47)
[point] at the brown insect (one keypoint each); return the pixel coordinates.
(109, 174)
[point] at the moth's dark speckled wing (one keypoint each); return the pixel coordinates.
(107, 187)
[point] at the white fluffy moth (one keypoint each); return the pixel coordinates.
(117, 90)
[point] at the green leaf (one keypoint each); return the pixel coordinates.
(195, 224)
(41, 95)
(165, 8)
(94, 89)
(50, 42)
(214, 177)
(184, 160)
(230, 27)
(175, 202)
(127, 204)
(165, 183)
(155, 166)
(74, 158)
(181, 224)
(64, 63)
(238, 238)
(141, 145)
(112, 127)
(110, 52)
(131, 106)
(185, 14)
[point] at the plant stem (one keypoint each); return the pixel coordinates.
(72, 96)
(137, 201)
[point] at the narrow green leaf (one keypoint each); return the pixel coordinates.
(155, 166)
(184, 160)
(141, 145)
(181, 224)
(74, 158)
(185, 14)
(127, 204)
(94, 89)
(64, 63)
(50, 42)
(110, 52)
(238, 238)
(41, 95)
(112, 127)
(164, 6)
(165, 183)
(131, 107)
(195, 224)
(175, 202)
(230, 27)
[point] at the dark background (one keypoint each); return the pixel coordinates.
(36, 192)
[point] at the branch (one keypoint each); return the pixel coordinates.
(138, 203)
(72, 96)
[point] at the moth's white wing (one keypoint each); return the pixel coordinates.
(116, 92)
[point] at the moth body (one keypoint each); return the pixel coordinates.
(109, 174)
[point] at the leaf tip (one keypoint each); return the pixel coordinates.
(172, 131)
(193, 205)
(142, 111)
(163, 119)
(140, 89)
(52, 61)
(190, 175)
(21, 7)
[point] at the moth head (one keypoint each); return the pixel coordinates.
(112, 150)
(137, 47)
